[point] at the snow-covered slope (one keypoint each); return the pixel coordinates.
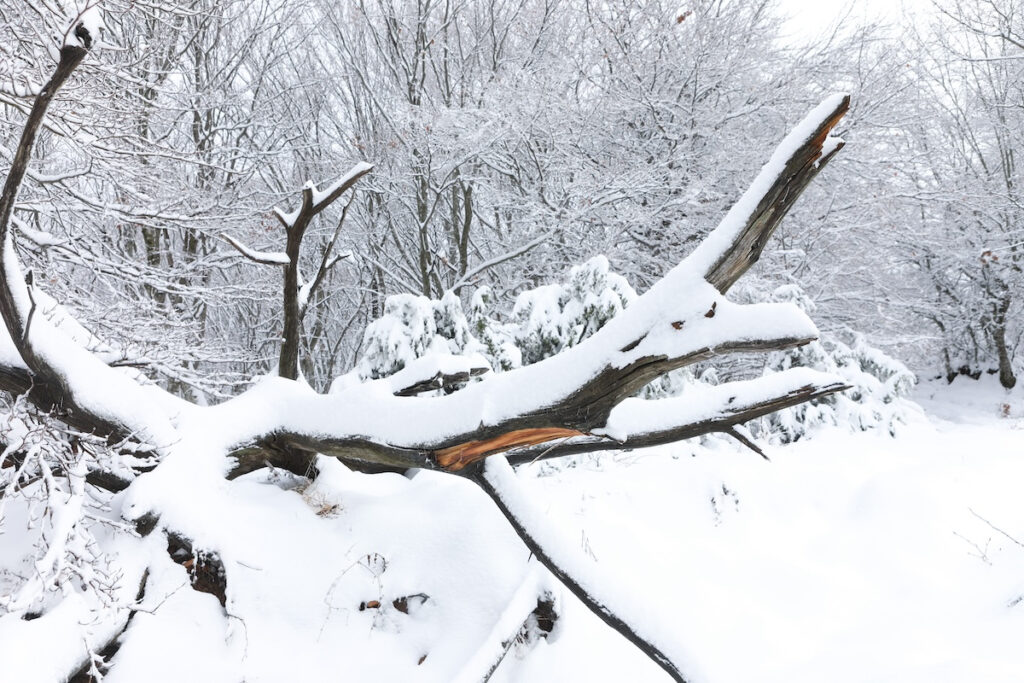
(849, 557)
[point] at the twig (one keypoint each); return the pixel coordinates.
(736, 434)
(31, 310)
(995, 528)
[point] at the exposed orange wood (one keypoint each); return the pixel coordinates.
(826, 130)
(454, 458)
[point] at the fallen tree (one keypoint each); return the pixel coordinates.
(113, 430)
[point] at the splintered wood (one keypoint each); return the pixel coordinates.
(454, 458)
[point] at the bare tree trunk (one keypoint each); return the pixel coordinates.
(1006, 375)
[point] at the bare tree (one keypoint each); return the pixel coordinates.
(967, 238)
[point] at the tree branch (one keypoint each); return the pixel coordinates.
(681, 320)
(699, 411)
(44, 383)
(265, 258)
(313, 202)
(737, 243)
(70, 57)
(496, 477)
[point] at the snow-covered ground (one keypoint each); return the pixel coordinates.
(848, 557)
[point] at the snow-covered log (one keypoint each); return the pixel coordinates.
(578, 400)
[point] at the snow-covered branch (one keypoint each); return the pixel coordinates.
(314, 201)
(684, 318)
(63, 374)
(703, 409)
(265, 258)
(736, 244)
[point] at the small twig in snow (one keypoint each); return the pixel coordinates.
(995, 528)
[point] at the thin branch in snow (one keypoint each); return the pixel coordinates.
(995, 528)
(578, 573)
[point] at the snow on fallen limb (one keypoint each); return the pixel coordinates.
(711, 322)
(64, 322)
(631, 612)
(700, 403)
(435, 367)
(693, 321)
(682, 318)
(704, 257)
(93, 386)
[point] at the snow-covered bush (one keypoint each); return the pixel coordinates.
(404, 333)
(876, 399)
(555, 317)
(545, 321)
(451, 323)
(549, 319)
(413, 326)
(496, 339)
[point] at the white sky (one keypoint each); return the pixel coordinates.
(809, 18)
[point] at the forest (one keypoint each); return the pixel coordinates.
(510, 340)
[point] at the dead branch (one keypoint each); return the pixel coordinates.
(633, 349)
(573, 402)
(727, 412)
(799, 169)
(447, 382)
